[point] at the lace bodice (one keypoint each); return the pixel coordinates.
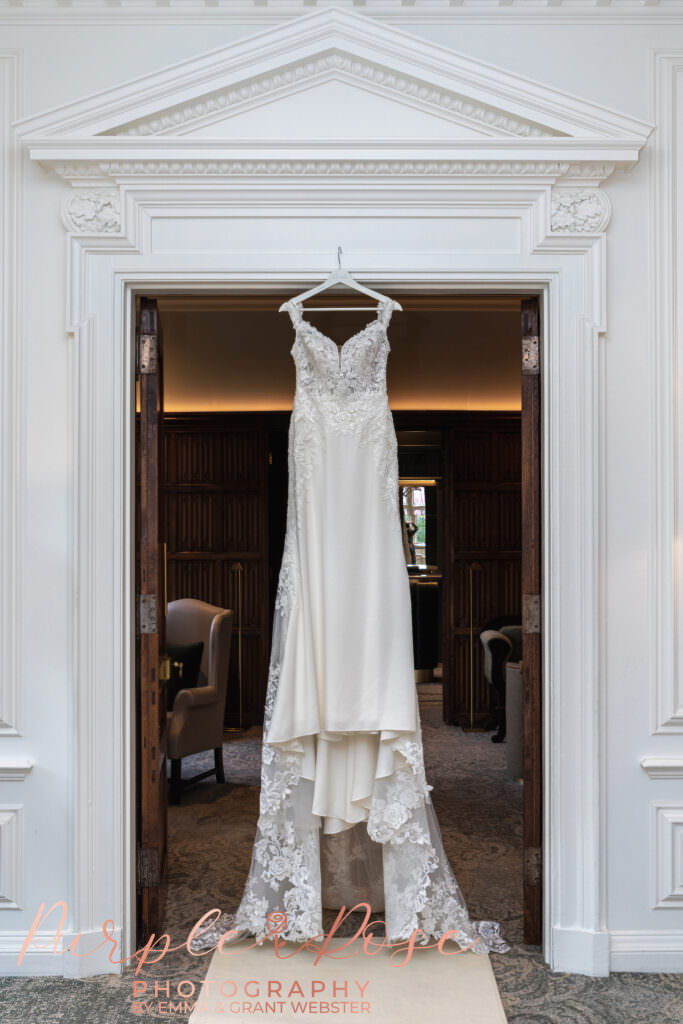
(357, 368)
(342, 391)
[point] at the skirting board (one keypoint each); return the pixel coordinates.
(578, 951)
(651, 952)
(62, 963)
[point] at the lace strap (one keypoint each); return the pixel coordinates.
(295, 312)
(385, 310)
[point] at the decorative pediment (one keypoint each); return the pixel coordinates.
(332, 93)
(337, 94)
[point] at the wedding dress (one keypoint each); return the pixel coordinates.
(345, 812)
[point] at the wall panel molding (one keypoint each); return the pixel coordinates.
(10, 396)
(662, 767)
(666, 855)
(11, 857)
(15, 771)
(667, 450)
(654, 952)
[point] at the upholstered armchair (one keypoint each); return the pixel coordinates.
(500, 646)
(195, 722)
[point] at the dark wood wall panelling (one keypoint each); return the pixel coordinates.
(224, 492)
(215, 518)
(483, 537)
(480, 520)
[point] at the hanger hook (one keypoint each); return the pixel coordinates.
(339, 256)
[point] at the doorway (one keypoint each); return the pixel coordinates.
(466, 700)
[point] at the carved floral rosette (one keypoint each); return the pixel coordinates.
(96, 212)
(579, 211)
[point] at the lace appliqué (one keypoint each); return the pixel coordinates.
(420, 890)
(284, 875)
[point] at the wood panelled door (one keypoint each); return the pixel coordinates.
(152, 663)
(532, 766)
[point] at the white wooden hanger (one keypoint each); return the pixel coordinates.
(340, 276)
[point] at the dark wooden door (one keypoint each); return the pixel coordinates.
(152, 795)
(532, 620)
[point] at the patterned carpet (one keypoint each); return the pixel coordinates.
(479, 810)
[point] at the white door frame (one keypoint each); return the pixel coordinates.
(568, 269)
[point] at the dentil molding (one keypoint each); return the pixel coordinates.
(383, 79)
(305, 170)
(96, 212)
(519, 128)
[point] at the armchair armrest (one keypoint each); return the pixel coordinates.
(197, 697)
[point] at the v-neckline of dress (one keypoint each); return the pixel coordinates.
(339, 348)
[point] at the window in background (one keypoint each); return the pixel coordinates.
(414, 515)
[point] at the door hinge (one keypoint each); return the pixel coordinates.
(530, 353)
(147, 353)
(533, 862)
(531, 613)
(148, 613)
(165, 668)
(147, 867)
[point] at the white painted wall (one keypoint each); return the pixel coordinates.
(608, 61)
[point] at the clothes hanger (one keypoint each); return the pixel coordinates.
(340, 276)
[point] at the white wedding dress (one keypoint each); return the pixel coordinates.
(345, 812)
